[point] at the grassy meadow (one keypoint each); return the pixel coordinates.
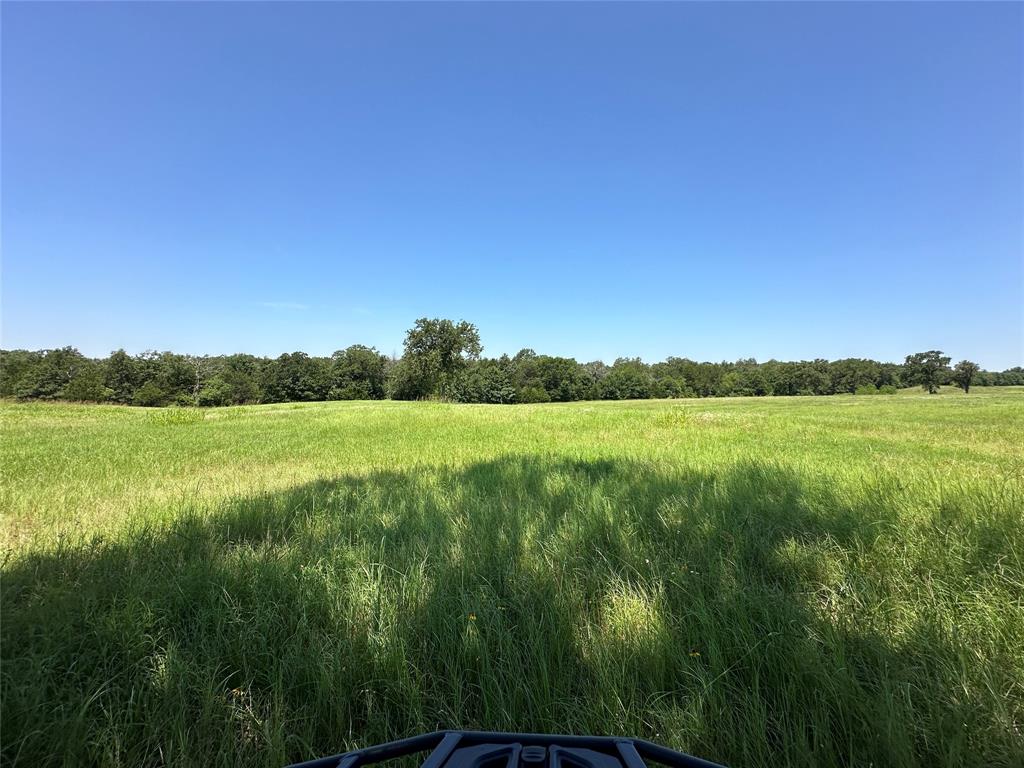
(784, 581)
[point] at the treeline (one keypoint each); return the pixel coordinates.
(165, 378)
(442, 359)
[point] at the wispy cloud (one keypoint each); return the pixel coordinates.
(283, 305)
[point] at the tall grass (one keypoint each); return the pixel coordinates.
(812, 581)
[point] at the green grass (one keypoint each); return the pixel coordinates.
(805, 581)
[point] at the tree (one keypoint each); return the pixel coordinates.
(437, 351)
(215, 392)
(963, 374)
(629, 379)
(48, 378)
(1011, 377)
(810, 379)
(405, 382)
(150, 395)
(296, 377)
(122, 376)
(748, 379)
(241, 375)
(86, 385)
(486, 381)
(14, 366)
(851, 374)
(174, 375)
(926, 369)
(358, 373)
(200, 366)
(561, 379)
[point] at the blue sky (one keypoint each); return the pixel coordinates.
(711, 181)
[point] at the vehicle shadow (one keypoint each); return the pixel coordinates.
(745, 614)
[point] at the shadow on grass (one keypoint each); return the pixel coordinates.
(745, 615)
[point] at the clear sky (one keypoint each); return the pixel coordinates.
(710, 181)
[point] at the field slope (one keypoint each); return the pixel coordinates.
(788, 581)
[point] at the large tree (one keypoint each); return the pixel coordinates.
(437, 351)
(926, 368)
(963, 374)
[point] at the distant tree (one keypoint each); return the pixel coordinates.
(296, 377)
(889, 375)
(437, 351)
(87, 385)
(14, 366)
(670, 378)
(964, 373)
(147, 366)
(926, 369)
(685, 377)
(596, 370)
(122, 375)
(1011, 377)
(241, 374)
(750, 380)
(562, 378)
(532, 394)
(810, 379)
(216, 391)
(175, 375)
(728, 384)
(200, 372)
(51, 374)
(150, 395)
(486, 381)
(629, 379)
(851, 374)
(406, 382)
(358, 373)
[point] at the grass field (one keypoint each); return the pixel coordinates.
(790, 581)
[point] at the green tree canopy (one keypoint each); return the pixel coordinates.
(964, 373)
(926, 369)
(437, 351)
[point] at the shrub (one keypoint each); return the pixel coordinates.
(866, 389)
(887, 389)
